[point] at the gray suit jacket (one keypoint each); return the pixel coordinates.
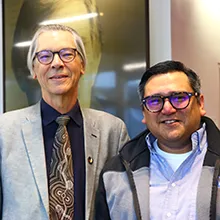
(24, 184)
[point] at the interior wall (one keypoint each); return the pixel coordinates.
(195, 41)
(160, 30)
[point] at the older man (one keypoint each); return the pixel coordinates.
(52, 152)
(171, 170)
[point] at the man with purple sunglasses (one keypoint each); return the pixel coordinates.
(171, 170)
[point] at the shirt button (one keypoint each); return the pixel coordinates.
(168, 214)
(90, 160)
(173, 184)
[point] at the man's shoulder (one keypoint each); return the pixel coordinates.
(96, 112)
(134, 152)
(18, 114)
(101, 115)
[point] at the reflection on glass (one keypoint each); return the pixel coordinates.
(133, 117)
(106, 80)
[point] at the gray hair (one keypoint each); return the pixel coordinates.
(54, 27)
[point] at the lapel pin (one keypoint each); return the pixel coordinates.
(90, 160)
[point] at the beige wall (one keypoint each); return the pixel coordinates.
(195, 35)
(160, 30)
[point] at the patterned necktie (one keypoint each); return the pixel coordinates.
(61, 174)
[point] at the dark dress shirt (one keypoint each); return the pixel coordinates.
(75, 130)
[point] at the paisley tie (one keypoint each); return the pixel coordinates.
(61, 181)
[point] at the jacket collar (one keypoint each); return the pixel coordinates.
(135, 147)
(213, 139)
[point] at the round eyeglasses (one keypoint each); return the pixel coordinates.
(179, 100)
(46, 56)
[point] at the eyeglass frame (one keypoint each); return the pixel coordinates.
(56, 52)
(163, 98)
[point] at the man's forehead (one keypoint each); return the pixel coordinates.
(168, 83)
(54, 33)
(55, 38)
(168, 76)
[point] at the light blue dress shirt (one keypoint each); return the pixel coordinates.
(173, 192)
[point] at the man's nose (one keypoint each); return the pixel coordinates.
(57, 62)
(167, 107)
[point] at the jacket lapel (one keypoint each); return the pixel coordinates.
(92, 145)
(33, 137)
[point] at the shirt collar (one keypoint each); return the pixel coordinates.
(198, 138)
(49, 114)
(150, 140)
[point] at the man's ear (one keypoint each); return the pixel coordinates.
(34, 75)
(202, 103)
(82, 68)
(143, 120)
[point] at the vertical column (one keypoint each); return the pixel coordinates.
(160, 30)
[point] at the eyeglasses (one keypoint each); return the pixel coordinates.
(46, 56)
(179, 100)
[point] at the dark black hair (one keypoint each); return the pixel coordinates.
(168, 67)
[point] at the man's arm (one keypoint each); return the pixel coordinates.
(101, 206)
(1, 198)
(124, 137)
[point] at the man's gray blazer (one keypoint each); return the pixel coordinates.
(24, 184)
